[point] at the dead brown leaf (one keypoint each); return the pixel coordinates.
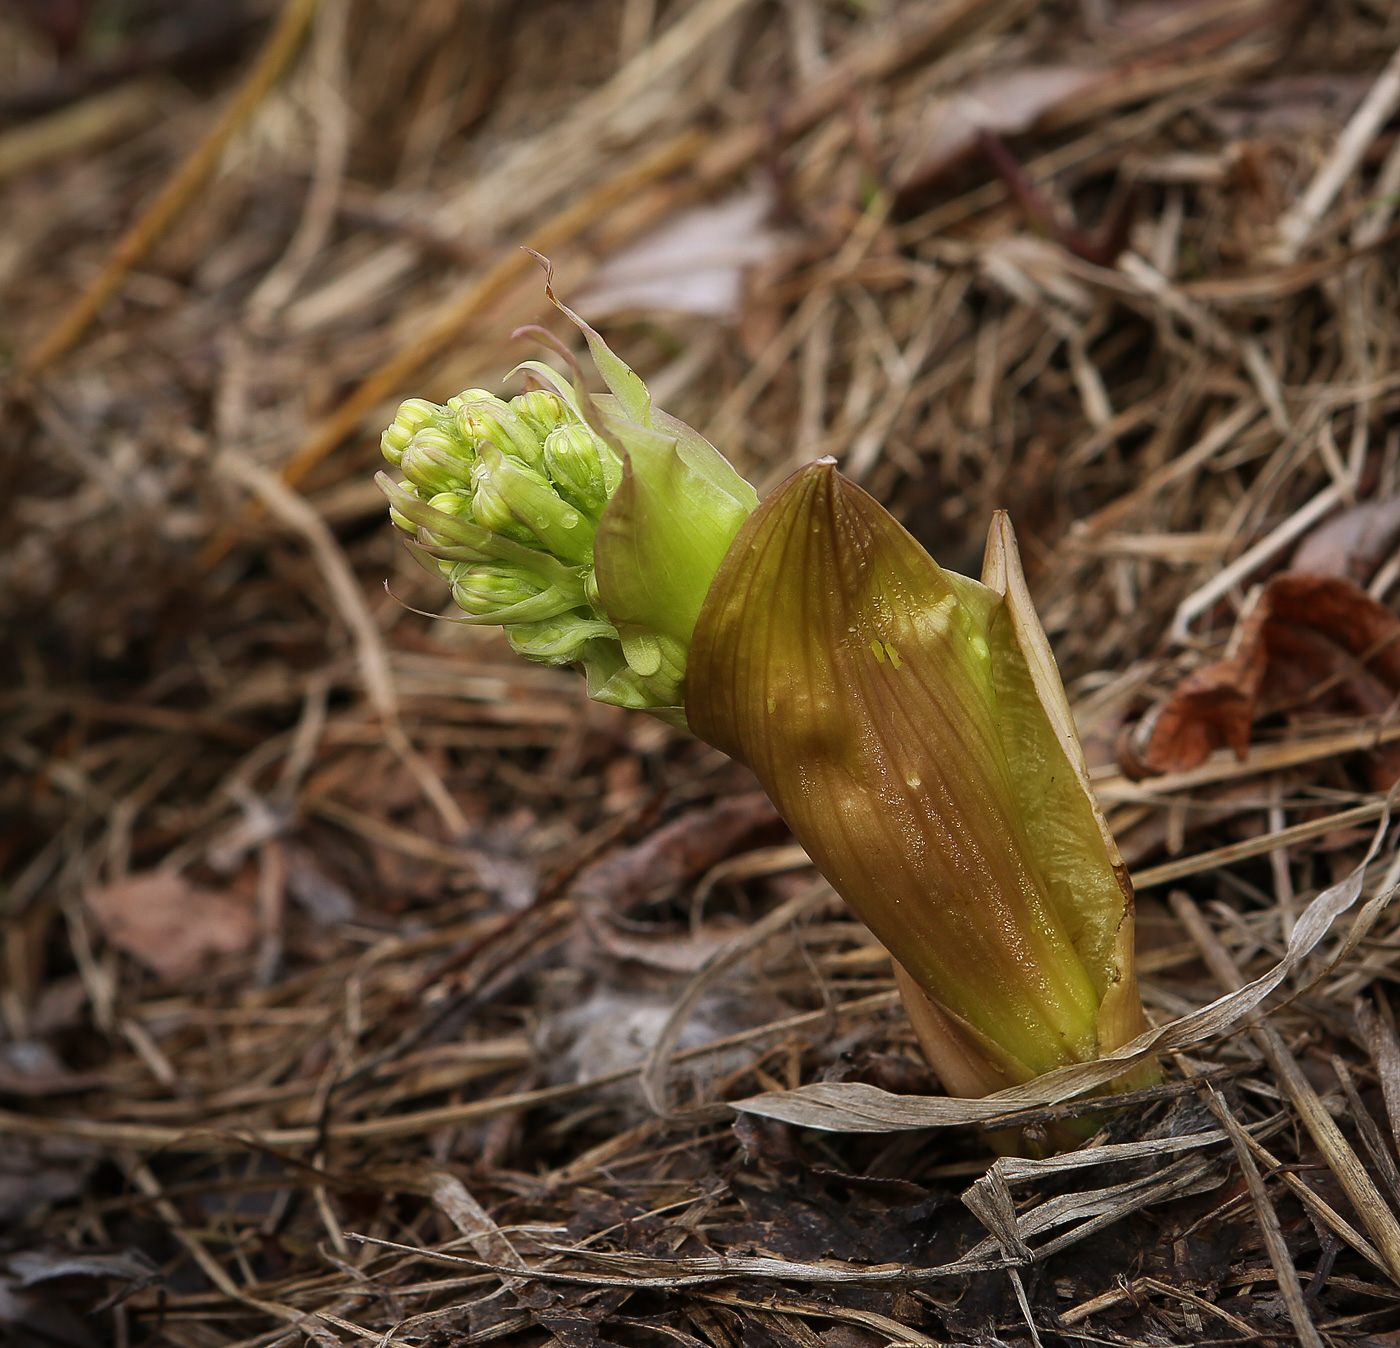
(1312, 642)
(172, 926)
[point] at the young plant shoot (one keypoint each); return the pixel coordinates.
(909, 723)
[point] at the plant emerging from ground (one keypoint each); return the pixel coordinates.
(909, 723)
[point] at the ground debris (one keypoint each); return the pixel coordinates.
(312, 1028)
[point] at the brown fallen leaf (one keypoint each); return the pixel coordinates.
(1312, 642)
(610, 891)
(1004, 102)
(172, 926)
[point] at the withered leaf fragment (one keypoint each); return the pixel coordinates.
(1311, 644)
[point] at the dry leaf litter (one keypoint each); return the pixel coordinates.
(364, 984)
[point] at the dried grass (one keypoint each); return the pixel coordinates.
(512, 957)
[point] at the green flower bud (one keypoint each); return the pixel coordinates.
(486, 587)
(577, 463)
(397, 517)
(499, 426)
(520, 503)
(457, 504)
(469, 396)
(501, 593)
(490, 510)
(436, 461)
(412, 416)
(540, 410)
(459, 538)
(558, 641)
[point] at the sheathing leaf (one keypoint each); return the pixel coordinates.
(1078, 859)
(854, 677)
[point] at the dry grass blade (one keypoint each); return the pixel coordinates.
(369, 645)
(458, 926)
(104, 117)
(176, 196)
(1385, 1053)
(1319, 1208)
(1376, 1215)
(1279, 1257)
(1376, 1149)
(1299, 221)
(1223, 856)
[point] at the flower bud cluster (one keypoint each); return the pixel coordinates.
(503, 499)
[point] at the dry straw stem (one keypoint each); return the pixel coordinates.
(277, 53)
(108, 116)
(1384, 1048)
(963, 353)
(1322, 1211)
(1253, 847)
(1341, 1159)
(1223, 766)
(1274, 1242)
(1300, 220)
(350, 600)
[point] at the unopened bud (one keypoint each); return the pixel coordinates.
(435, 461)
(499, 426)
(412, 416)
(471, 395)
(397, 518)
(512, 498)
(490, 510)
(540, 410)
(512, 595)
(457, 504)
(557, 641)
(487, 588)
(575, 460)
